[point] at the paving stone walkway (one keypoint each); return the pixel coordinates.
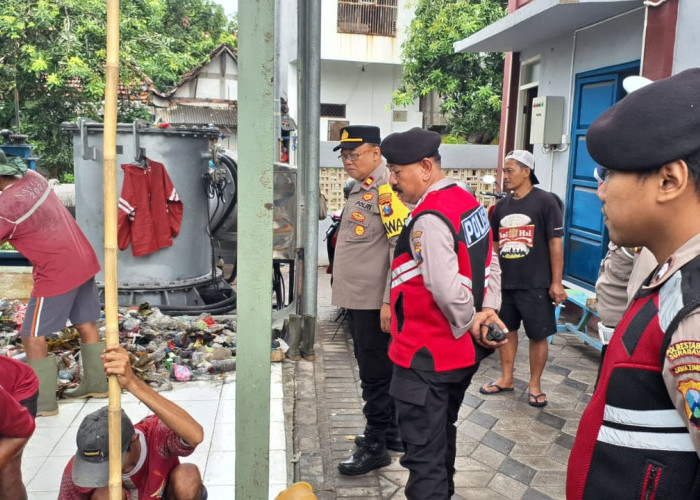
(506, 448)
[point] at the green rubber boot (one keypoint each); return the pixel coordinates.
(47, 372)
(94, 381)
(308, 338)
(295, 332)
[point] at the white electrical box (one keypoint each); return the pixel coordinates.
(547, 120)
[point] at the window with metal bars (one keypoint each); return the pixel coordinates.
(367, 17)
(333, 110)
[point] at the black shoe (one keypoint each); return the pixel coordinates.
(364, 460)
(393, 441)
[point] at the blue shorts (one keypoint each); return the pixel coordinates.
(533, 307)
(46, 315)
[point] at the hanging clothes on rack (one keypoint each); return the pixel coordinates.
(150, 211)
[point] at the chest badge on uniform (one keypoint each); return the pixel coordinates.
(358, 216)
(359, 230)
(368, 196)
(368, 181)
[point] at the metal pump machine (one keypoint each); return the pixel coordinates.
(181, 279)
(185, 278)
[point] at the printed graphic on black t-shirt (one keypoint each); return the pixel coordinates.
(516, 235)
(523, 227)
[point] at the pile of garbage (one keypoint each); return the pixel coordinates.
(163, 348)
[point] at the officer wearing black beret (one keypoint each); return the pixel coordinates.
(360, 283)
(645, 412)
(441, 302)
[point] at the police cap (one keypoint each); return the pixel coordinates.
(404, 148)
(650, 127)
(354, 136)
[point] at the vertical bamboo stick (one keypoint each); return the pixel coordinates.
(110, 264)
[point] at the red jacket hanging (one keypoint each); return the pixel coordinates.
(150, 211)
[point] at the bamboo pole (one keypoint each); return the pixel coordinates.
(110, 264)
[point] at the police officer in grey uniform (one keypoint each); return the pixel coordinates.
(360, 278)
(445, 289)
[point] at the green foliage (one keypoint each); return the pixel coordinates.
(53, 52)
(67, 178)
(453, 139)
(470, 85)
(7, 246)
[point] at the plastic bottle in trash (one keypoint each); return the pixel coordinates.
(158, 355)
(222, 365)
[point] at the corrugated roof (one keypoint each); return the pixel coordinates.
(199, 115)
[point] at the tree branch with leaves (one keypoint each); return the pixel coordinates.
(469, 84)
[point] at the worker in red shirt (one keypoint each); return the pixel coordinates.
(64, 265)
(151, 449)
(18, 395)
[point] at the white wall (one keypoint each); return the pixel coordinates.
(211, 84)
(366, 90)
(366, 95)
(687, 49)
(351, 47)
(613, 42)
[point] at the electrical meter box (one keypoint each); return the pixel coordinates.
(547, 120)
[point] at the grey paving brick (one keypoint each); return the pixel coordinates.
(533, 494)
(482, 419)
(565, 440)
(488, 456)
(498, 442)
(553, 367)
(517, 470)
(551, 420)
(472, 400)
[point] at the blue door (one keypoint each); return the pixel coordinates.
(585, 235)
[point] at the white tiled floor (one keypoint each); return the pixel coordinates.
(212, 404)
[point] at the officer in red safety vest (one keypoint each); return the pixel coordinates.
(639, 437)
(445, 290)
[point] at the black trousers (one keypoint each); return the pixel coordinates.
(428, 404)
(371, 346)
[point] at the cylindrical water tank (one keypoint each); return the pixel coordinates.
(185, 154)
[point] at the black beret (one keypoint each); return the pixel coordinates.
(403, 148)
(354, 136)
(650, 127)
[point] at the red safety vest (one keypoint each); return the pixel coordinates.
(631, 441)
(421, 335)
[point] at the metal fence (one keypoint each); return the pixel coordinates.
(367, 17)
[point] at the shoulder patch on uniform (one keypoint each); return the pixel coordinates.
(368, 196)
(359, 230)
(685, 368)
(419, 256)
(416, 234)
(682, 349)
(358, 216)
(691, 397)
(368, 181)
